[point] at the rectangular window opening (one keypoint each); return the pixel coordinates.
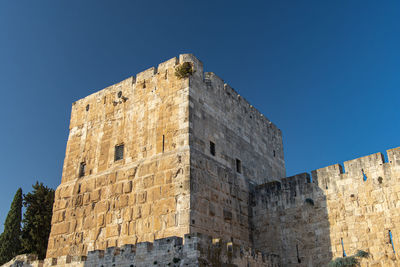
(163, 143)
(119, 152)
(212, 148)
(238, 166)
(82, 169)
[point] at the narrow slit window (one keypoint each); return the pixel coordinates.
(364, 176)
(212, 148)
(238, 166)
(274, 153)
(297, 251)
(163, 143)
(119, 152)
(344, 252)
(82, 169)
(391, 240)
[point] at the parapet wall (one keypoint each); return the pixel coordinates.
(338, 211)
(193, 250)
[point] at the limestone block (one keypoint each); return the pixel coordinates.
(112, 230)
(128, 187)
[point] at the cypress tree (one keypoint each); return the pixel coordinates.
(10, 239)
(37, 220)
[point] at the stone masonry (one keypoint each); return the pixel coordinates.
(168, 171)
(167, 182)
(193, 250)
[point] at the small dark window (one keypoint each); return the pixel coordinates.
(212, 148)
(391, 241)
(364, 176)
(82, 169)
(274, 154)
(298, 257)
(238, 166)
(87, 107)
(163, 143)
(119, 94)
(119, 152)
(344, 252)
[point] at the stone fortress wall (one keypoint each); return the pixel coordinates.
(161, 188)
(308, 217)
(219, 191)
(199, 161)
(145, 195)
(193, 250)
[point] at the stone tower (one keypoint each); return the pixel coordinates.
(156, 156)
(168, 171)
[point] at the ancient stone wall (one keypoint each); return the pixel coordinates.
(363, 203)
(193, 250)
(333, 214)
(290, 219)
(226, 131)
(165, 125)
(197, 158)
(239, 131)
(143, 196)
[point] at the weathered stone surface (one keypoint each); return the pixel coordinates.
(196, 250)
(148, 115)
(198, 158)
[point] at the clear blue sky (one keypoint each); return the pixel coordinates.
(327, 73)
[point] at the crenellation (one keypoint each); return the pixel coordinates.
(394, 156)
(197, 65)
(347, 207)
(369, 162)
(196, 249)
(326, 177)
(157, 167)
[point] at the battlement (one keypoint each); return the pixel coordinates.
(152, 72)
(165, 70)
(157, 159)
(286, 192)
(302, 185)
(358, 170)
(172, 251)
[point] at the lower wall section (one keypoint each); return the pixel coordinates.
(291, 220)
(341, 210)
(219, 200)
(139, 202)
(193, 250)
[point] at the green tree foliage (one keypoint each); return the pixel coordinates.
(184, 70)
(351, 261)
(37, 220)
(10, 239)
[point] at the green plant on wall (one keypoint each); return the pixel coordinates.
(184, 70)
(350, 261)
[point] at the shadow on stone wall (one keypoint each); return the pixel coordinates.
(194, 250)
(290, 219)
